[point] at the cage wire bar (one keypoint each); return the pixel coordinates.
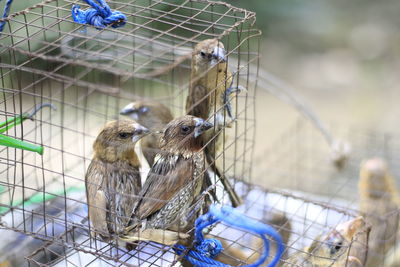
(89, 75)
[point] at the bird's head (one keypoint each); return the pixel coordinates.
(208, 53)
(148, 113)
(182, 135)
(374, 178)
(336, 244)
(117, 139)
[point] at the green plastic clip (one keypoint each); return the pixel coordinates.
(11, 122)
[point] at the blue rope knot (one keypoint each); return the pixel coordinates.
(207, 249)
(210, 248)
(7, 8)
(100, 15)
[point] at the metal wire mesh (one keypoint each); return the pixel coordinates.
(301, 153)
(302, 227)
(301, 161)
(91, 74)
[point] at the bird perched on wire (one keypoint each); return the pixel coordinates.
(379, 204)
(113, 179)
(330, 249)
(152, 115)
(208, 98)
(168, 199)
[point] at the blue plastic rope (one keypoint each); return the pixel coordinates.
(5, 13)
(100, 15)
(207, 249)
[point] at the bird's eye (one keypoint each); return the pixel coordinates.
(203, 54)
(124, 135)
(185, 129)
(338, 246)
(335, 247)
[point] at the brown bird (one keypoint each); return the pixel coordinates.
(331, 249)
(175, 180)
(113, 179)
(208, 98)
(152, 115)
(210, 78)
(379, 204)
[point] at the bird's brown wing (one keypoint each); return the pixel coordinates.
(124, 186)
(197, 103)
(96, 199)
(165, 179)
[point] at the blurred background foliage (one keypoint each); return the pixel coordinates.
(342, 56)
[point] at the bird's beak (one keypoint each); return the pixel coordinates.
(139, 132)
(201, 126)
(218, 55)
(130, 110)
(350, 228)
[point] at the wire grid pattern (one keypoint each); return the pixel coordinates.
(89, 75)
(300, 161)
(302, 154)
(300, 228)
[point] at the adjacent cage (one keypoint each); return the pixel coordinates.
(300, 161)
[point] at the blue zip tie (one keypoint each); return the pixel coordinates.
(99, 16)
(207, 249)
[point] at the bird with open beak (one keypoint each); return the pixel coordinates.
(210, 83)
(168, 199)
(113, 179)
(332, 248)
(152, 115)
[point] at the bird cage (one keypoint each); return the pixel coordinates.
(88, 74)
(300, 161)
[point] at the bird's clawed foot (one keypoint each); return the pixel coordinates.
(236, 89)
(160, 236)
(227, 102)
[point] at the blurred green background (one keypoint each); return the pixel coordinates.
(343, 56)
